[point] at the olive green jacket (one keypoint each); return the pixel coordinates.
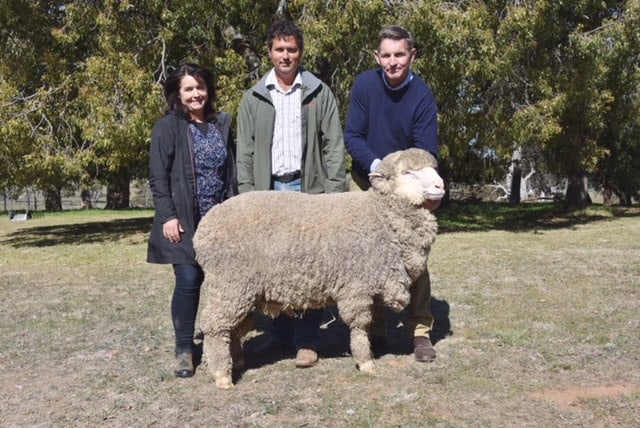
(323, 152)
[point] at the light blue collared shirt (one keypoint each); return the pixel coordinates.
(400, 86)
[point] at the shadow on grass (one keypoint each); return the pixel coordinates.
(456, 217)
(526, 217)
(81, 233)
(334, 338)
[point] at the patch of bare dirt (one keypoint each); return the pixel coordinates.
(570, 396)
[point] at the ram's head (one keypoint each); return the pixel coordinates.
(410, 174)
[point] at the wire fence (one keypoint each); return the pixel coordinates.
(33, 201)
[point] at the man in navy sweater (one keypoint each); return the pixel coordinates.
(393, 109)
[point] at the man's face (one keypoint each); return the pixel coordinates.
(395, 58)
(285, 56)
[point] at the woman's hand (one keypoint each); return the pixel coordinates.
(172, 231)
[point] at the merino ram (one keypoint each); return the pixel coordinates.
(275, 251)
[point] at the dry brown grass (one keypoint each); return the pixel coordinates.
(537, 327)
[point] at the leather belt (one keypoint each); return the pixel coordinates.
(288, 177)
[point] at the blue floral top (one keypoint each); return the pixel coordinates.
(209, 158)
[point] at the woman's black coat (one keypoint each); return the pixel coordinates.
(172, 182)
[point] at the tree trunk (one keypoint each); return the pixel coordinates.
(443, 170)
(607, 196)
(282, 10)
(624, 198)
(52, 199)
(85, 196)
(516, 179)
(35, 200)
(577, 195)
(243, 47)
(118, 192)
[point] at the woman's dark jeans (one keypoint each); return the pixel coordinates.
(184, 304)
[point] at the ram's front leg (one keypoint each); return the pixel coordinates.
(358, 315)
(396, 295)
(361, 350)
(237, 352)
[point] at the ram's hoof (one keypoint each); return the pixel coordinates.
(367, 367)
(223, 381)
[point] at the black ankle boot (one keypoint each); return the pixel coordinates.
(184, 364)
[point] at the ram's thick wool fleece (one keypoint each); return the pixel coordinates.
(288, 250)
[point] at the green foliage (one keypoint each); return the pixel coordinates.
(621, 137)
(231, 81)
(340, 38)
(79, 81)
(555, 66)
(457, 50)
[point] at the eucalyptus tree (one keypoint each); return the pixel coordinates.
(455, 48)
(619, 170)
(80, 84)
(138, 44)
(117, 98)
(15, 143)
(556, 79)
(340, 38)
(35, 133)
(80, 81)
(457, 58)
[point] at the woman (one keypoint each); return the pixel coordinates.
(191, 170)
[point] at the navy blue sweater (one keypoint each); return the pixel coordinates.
(382, 121)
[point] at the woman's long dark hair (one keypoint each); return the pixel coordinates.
(172, 90)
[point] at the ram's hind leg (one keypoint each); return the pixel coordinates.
(358, 317)
(223, 321)
(217, 358)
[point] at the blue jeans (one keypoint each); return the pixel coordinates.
(184, 304)
(292, 186)
(304, 330)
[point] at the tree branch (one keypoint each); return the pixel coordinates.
(242, 46)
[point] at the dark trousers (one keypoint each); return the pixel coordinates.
(302, 331)
(184, 304)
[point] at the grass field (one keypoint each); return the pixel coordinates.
(538, 321)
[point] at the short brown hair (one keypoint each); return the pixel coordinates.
(284, 29)
(395, 32)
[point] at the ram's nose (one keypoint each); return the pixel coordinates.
(436, 190)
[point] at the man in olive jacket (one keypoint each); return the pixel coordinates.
(323, 152)
(289, 137)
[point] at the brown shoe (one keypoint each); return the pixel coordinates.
(423, 349)
(184, 365)
(306, 358)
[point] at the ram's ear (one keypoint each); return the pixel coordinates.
(381, 182)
